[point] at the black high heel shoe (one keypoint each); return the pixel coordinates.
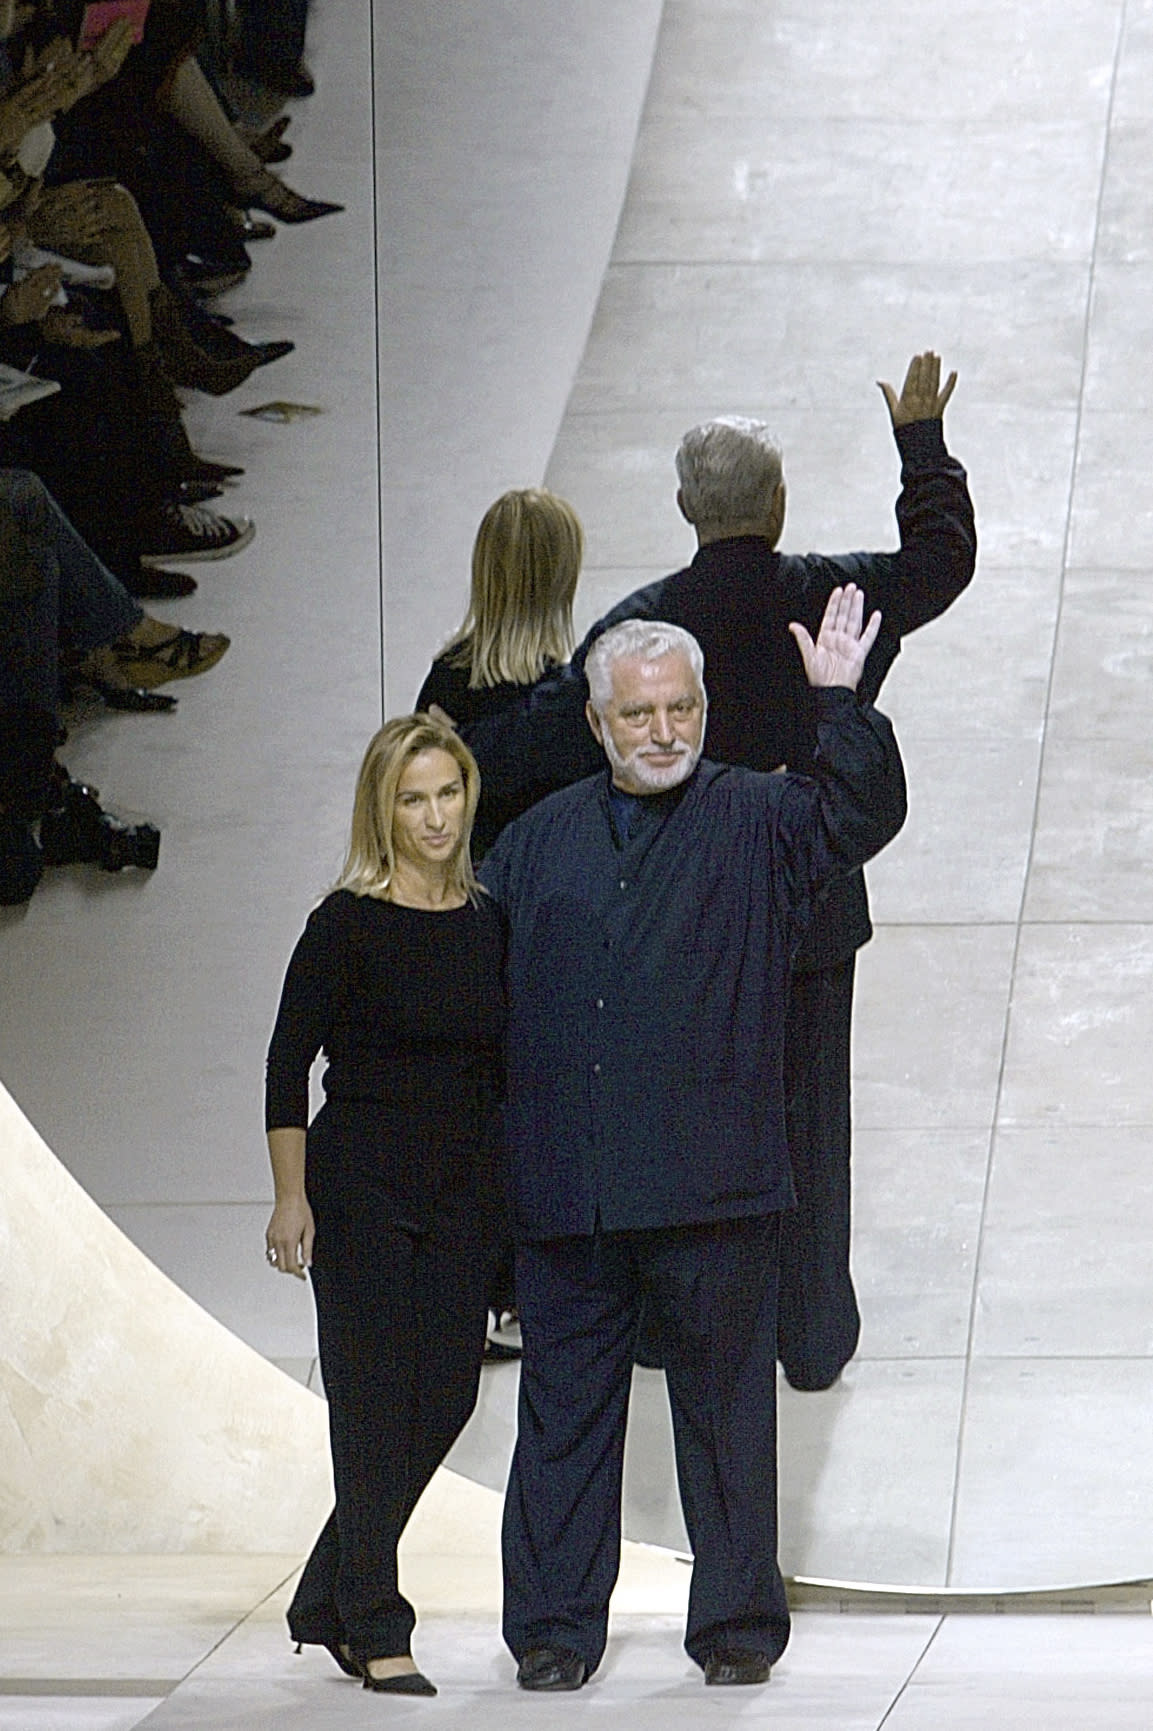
(266, 191)
(350, 1666)
(408, 1683)
(269, 145)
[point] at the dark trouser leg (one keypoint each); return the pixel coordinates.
(93, 448)
(95, 607)
(27, 755)
(454, 1268)
(578, 1302)
(716, 1288)
(819, 1323)
(312, 1615)
(77, 603)
(271, 35)
(401, 1330)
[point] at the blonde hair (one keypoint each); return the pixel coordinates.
(525, 563)
(371, 861)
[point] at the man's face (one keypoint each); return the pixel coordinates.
(653, 725)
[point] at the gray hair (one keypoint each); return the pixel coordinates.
(729, 470)
(646, 639)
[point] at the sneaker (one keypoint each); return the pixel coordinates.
(190, 532)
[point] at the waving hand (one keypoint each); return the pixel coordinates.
(838, 656)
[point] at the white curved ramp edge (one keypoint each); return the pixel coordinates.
(130, 1420)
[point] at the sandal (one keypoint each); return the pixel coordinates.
(181, 656)
(266, 191)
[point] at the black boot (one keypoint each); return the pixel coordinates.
(27, 745)
(186, 362)
(77, 830)
(160, 406)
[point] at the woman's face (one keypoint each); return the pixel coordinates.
(428, 818)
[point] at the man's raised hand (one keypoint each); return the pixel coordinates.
(921, 398)
(838, 656)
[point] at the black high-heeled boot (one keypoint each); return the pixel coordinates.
(185, 361)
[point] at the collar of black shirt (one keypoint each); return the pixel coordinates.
(632, 814)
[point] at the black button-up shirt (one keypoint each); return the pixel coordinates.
(648, 978)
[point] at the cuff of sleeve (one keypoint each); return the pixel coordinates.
(921, 443)
(831, 699)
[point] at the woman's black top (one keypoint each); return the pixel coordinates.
(408, 1007)
(448, 686)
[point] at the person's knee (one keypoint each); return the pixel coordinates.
(118, 210)
(25, 495)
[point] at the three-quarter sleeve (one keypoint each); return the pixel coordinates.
(302, 1023)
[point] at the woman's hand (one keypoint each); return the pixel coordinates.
(47, 88)
(289, 1235)
(70, 216)
(68, 331)
(27, 302)
(110, 53)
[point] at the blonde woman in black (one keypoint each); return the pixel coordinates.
(517, 632)
(391, 1197)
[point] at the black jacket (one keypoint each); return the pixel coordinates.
(648, 979)
(738, 598)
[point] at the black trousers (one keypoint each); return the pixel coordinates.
(714, 1290)
(401, 1325)
(819, 1323)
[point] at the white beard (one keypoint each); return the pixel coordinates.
(641, 774)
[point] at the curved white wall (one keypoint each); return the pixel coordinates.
(129, 1419)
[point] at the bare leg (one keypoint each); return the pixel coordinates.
(101, 224)
(191, 100)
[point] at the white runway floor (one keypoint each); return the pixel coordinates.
(106, 1644)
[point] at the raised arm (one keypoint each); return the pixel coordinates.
(934, 511)
(921, 398)
(859, 797)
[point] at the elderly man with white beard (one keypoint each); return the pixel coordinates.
(654, 911)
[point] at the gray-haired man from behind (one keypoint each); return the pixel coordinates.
(654, 910)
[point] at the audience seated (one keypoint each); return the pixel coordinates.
(125, 200)
(58, 603)
(159, 128)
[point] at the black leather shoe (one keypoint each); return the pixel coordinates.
(158, 585)
(408, 1683)
(197, 468)
(737, 1665)
(551, 1668)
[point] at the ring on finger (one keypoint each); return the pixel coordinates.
(270, 1256)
